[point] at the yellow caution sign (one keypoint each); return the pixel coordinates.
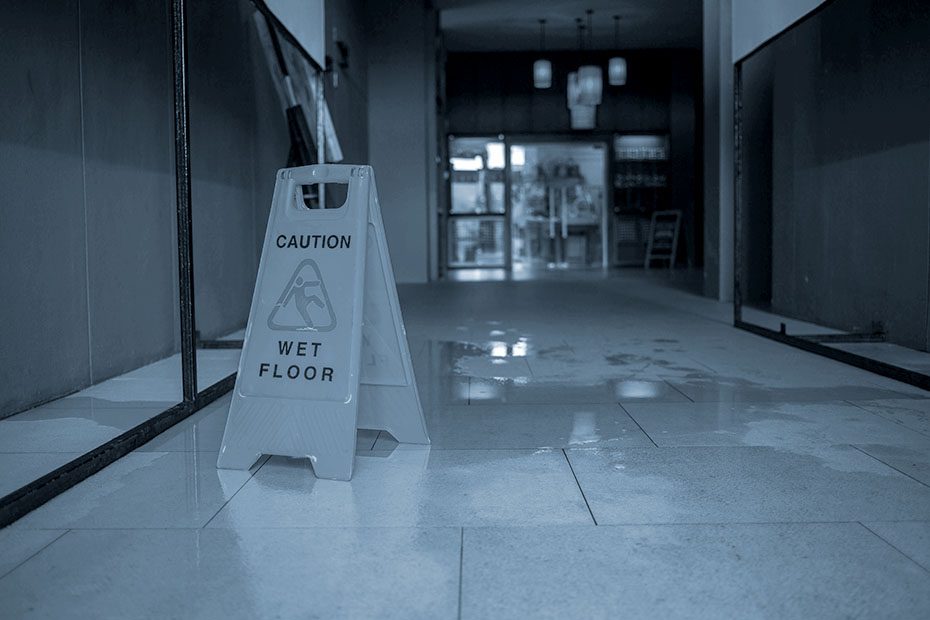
(325, 349)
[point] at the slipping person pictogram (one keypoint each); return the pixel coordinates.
(304, 304)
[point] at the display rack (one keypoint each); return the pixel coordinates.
(640, 188)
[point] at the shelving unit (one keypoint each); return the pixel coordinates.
(640, 188)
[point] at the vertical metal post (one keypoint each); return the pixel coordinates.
(182, 170)
(737, 193)
(508, 208)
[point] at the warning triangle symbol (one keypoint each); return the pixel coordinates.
(304, 304)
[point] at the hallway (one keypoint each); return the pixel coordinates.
(597, 445)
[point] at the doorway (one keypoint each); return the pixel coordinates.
(526, 206)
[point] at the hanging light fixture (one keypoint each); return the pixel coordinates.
(616, 68)
(590, 77)
(542, 68)
(583, 114)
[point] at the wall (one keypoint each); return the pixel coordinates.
(718, 151)
(755, 260)
(732, 29)
(89, 248)
(401, 120)
(347, 94)
(851, 168)
(756, 21)
(493, 93)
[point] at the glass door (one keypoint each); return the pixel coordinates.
(558, 205)
(477, 215)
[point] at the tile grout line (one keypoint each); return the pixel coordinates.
(38, 551)
(580, 490)
(220, 509)
(638, 425)
(903, 473)
(887, 542)
(883, 417)
(666, 382)
(461, 564)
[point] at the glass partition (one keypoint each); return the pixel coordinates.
(90, 325)
(92, 234)
(833, 174)
(476, 219)
(558, 203)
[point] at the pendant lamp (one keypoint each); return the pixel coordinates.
(616, 67)
(542, 68)
(590, 77)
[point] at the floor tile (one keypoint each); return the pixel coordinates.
(889, 353)
(323, 573)
(68, 430)
(21, 469)
(79, 401)
(912, 538)
(791, 426)
(915, 462)
(203, 432)
(141, 490)
(493, 367)
(538, 391)
(836, 570)
(414, 488)
(912, 413)
(743, 484)
(513, 427)
(17, 546)
(722, 390)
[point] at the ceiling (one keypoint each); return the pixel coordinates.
(513, 25)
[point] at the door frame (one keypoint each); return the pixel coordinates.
(509, 139)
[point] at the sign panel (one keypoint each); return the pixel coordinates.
(325, 349)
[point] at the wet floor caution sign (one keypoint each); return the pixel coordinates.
(325, 349)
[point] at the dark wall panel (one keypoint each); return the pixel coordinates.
(348, 93)
(43, 317)
(88, 247)
(851, 168)
(222, 124)
(129, 151)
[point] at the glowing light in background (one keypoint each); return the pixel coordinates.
(466, 163)
(637, 389)
(495, 152)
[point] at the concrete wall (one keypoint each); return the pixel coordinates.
(87, 165)
(401, 129)
(718, 151)
(347, 94)
(732, 29)
(756, 21)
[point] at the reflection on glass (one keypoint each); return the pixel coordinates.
(557, 204)
(477, 176)
(833, 228)
(476, 242)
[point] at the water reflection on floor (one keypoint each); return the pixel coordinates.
(600, 447)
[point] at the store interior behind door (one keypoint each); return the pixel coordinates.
(557, 203)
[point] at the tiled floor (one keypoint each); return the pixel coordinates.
(35, 442)
(600, 449)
